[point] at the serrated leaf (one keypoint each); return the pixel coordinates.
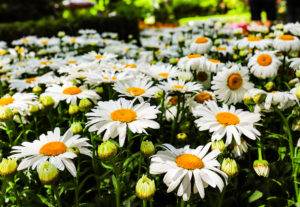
(255, 196)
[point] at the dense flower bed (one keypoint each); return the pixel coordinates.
(199, 115)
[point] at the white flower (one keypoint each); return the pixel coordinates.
(264, 64)
(227, 122)
(18, 101)
(213, 65)
(251, 42)
(230, 85)
(53, 147)
(180, 165)
(180, 86)
(116, 116)
(282, 99)
(287, 43)
(201, 45)
(191, 62)
(162, 71)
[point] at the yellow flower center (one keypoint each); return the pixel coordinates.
(221, 48)
(44, 42)
(29, 80)
(98, 56)
(135, 91)
(114, 78)
(264, 60)
(214, 61)
(53, 148)
(130, 66)
(201, 40)
(6, 101)
(44, 63)
(25, 41)
(274, 91)
(234, 81)
(50, 62)
(180, 87)
(72, 90)
(194, 56)
(2, 52)
(164, 75)
(202, 76)
(254, 39)
(189, 162)
(203, 96)
(227, 118)
(73, 40)
(20, 50)
(105, 78)
(123, 115)
(286, 37)
(72, 61)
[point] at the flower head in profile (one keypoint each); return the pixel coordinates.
(181, 165)
(114, 117)
(53, 147)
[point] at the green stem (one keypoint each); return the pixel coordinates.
(55, 191)
(140, 166)
(36, 126)
(118, 187)
(182, 203)
(144, 203)
(259, 151)
(76, 191)
(94, 164)
(222, 197)
(16, 192)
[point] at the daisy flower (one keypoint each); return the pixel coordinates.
(213, 65)
(287, 43)
(181, 165)
(282, 99)
(116, 116)
(264, 64)
(230, 85)
(223, 49)
(180, 86)
(295, 63)
(201, 45)
(70, 93)
(136, 88)
(225, 121)
(191, 62)
(106, 76)
(162, 71)
(18, 101)
(52, 147)
(252, 42)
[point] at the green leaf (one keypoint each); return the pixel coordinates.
(106, 166)
(255, 196)
(114, 180)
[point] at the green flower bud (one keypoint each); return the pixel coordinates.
(259, 98)
(100, 90)
(74, 150)
(243, 53)
(235, 57)
(269, 86)
(5, 113)
(73, 109)
(261, 167)
(34, 108)
(158, 94)
(185, 127)
(107, 150)
(76, 128)
(47, 101)
(298, 73)
(181, 136)
(218, 145)
(229, 166)
(37, 89)
(85, 103)
(173, 61)
(8, 166)
(145, 188)
(293, 82)
(147, 148)
(61, 34)
(298, 91)
(47, 172)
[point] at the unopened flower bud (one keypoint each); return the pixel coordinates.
(145, 188)
(259, 98)
(73, 109)
(173, 61)
(229, 166)
(181, 136)
(185, 126)
(261, 167)
(5, 113)
(296, 125)
(34, 108)
(298, 91)
(218, 145)
(76, 128)
(185, 76)
(47, 101)
(243, 53)
(37, 89)
(100, 90)
(298, 73)
(107, 150)
(158, 94)
(8, 166)
(269, 86)
(47, 172)
(85, 103)
(235, 57)
(239, 149)
(74, 150)
(147, 148)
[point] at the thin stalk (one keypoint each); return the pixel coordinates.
(55, 191)
(182, 203)
(118, 190)
(36, 126)
(94, 164)
(222, 197)
(144, 203)
(140, 166)
(76, 191)
(259, 151)
(16, 192)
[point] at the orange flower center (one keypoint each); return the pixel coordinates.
(6, 101)
(135, 91)
(72, 61)
(189, 162)
(164, 75)
(174, 99)
(114, 78)
(73, 40)
(98, 56)
(53, 148)
(44, 63)
(234, 81)
(227, 118)
(214, 61)
(201, 40)
(123, 115)
(44, 42)
(254, 39)
(105, 78)
(180, 87)
(72, 90)
(286, 37)
(202, 76)
(274, 91)
(20, 50)
(130, 66)
(29, 80)
(221, 48)
(264, 60)
(203, 96)
(194, 56)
